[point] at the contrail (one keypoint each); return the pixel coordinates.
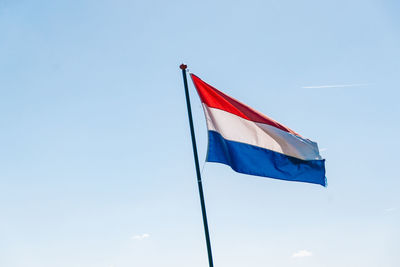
(335, 86)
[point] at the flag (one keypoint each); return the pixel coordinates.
(252, 143)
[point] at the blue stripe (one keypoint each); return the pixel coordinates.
(249, 159)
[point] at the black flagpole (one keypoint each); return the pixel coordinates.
(196, 161)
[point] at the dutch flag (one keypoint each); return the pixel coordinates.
(251, 143)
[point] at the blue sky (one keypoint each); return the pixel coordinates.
(96, 165)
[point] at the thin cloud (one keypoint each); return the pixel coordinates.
(334, 86)
(390, 209)
(140, 237)
(302, 254)
(323, 149)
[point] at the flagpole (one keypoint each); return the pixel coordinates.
(196, 161)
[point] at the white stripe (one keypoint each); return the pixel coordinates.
(235, 128)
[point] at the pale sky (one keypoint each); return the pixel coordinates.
(96, 165)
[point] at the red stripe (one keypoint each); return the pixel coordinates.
(214, 98)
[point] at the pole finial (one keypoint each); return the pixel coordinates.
(183, 66)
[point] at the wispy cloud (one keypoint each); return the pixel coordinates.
(302, 253)
(334, 86)
(323, 149)
(140, 237)
(390, 209)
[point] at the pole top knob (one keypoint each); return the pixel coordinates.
(183, 66)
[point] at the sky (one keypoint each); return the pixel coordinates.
(96, 163)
